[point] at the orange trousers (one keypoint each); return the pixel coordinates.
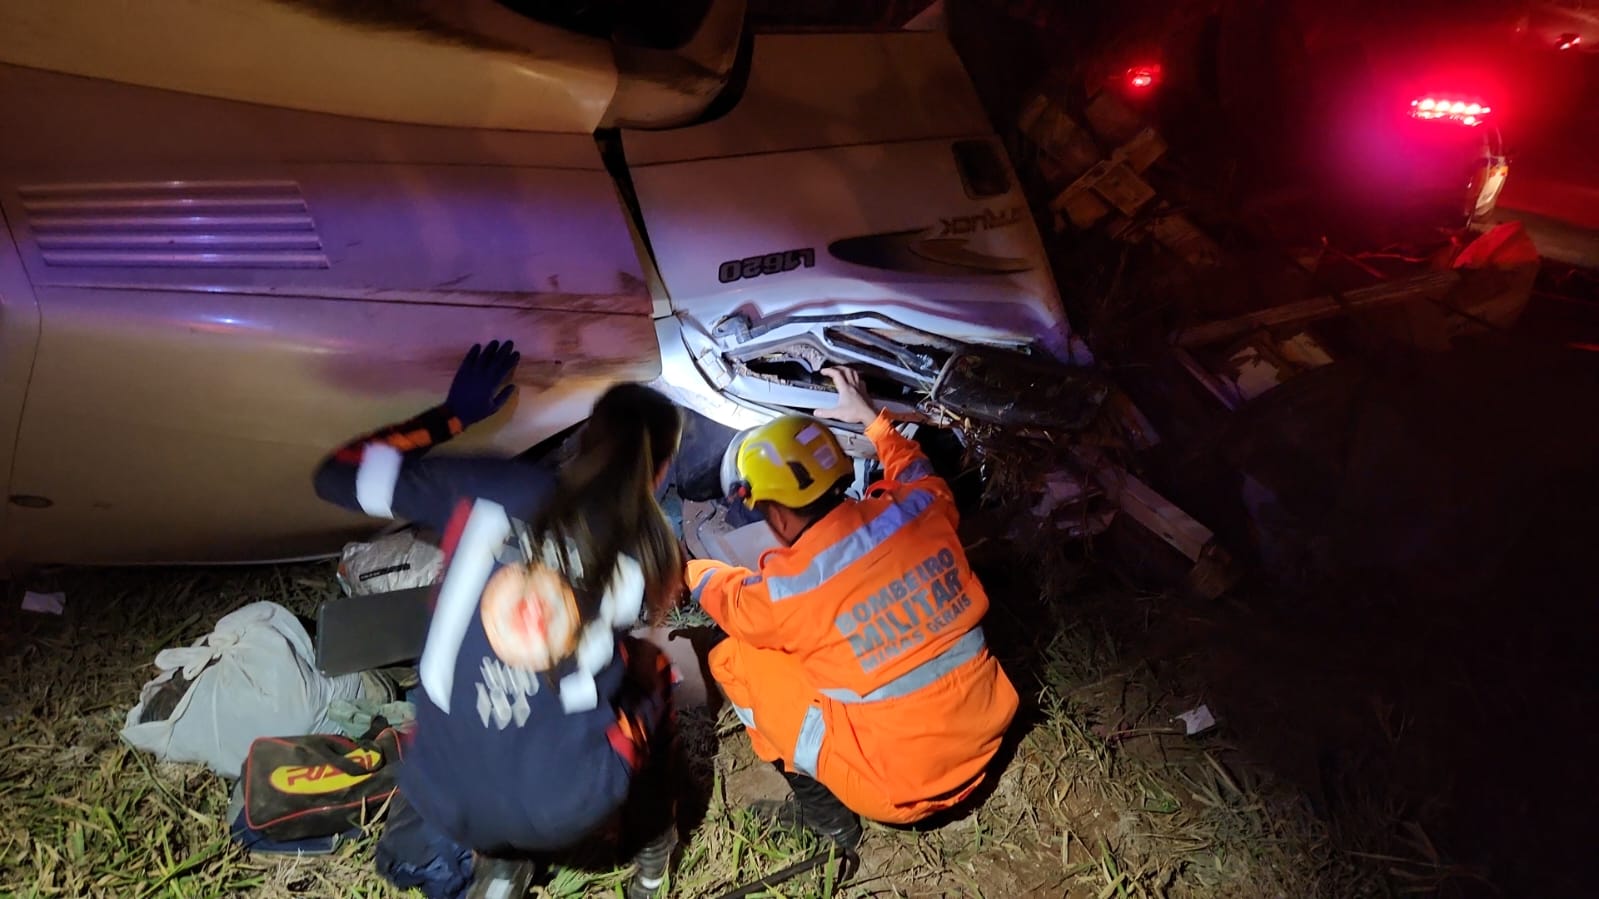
(896, 761)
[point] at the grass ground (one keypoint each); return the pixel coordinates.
(1101, 795)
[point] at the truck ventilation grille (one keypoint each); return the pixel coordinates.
(207, 224)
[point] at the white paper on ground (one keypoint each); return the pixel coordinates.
(45, 603)
(1198, 720)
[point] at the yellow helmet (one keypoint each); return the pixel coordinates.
(793, 460)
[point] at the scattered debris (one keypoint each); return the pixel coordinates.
(1060, 488)
(1095, 189)
(1213, 572)
(710, 534)
(354, 717)
(392, 562)
(1239, 319)
(1432, 286)
(1197, 720)
(1034, 395)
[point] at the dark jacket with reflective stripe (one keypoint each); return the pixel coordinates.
(497, 762)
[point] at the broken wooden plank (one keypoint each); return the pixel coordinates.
(1161, 517)
(1429, 286)
(1213, 572)
(1224, 393)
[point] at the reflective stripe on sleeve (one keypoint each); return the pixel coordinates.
(376, 478)
(850, 549)
(486, 530)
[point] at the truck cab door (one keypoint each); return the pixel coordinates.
(229, 290)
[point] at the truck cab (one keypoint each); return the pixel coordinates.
(239, 232)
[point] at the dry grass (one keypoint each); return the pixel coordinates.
(83, 815)
(1133, 807)
(1096, 802)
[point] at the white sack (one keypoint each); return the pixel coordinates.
(254, 676)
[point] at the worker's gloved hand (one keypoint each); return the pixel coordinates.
(479, 388)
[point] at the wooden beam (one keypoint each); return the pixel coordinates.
(1428, 286)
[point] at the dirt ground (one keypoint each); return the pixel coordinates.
(1098, 793)
(1450, 682)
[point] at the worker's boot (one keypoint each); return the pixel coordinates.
(652, 809)
(493, 878)
(651, 864)
(814, 807)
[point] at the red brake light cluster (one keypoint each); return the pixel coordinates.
(1143, 77)
(1453, 110)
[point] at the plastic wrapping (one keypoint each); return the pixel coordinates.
(394, 562)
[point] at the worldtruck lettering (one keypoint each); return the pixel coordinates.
(986, 220)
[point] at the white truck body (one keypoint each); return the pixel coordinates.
(238, 232)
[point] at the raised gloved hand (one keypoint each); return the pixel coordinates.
(477, 391)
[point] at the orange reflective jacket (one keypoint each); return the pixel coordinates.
(879, 607)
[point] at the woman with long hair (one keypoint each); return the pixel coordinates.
(537, 716)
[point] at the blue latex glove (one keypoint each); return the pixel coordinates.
(477, 391)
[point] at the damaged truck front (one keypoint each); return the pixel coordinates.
(240, 232)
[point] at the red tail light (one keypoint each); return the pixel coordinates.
(1443, 108)
(1143, 77)
(1567, 41)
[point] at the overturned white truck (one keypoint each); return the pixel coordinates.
(239, 231)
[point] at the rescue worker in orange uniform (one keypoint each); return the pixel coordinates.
(855, 657)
